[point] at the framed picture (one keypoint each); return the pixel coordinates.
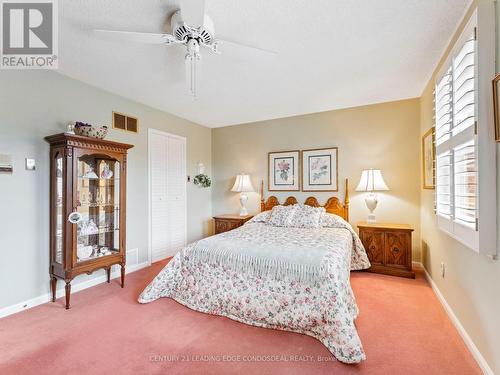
(320, 169)
(496, 106)
(284, 171)
(428, 157)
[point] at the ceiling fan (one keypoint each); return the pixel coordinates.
(192, 28)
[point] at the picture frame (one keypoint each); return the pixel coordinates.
(320, 169)
(283, 170)
(496, 106)
(429, 159)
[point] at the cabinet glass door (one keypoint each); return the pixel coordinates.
(58, 200)
(98, 203)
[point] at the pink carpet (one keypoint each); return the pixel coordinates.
(402, 325)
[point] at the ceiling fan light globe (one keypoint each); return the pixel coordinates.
(192, 62)
(193, 47)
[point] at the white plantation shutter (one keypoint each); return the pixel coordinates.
(465, 182)
(464, 86)
(456, 151)
(444, 107)
(443, 184)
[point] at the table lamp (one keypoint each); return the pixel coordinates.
(243, 185)
(371, 180)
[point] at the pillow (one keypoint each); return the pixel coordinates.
(262, 217)
(331, 220)
(307, 216)
(282, 216)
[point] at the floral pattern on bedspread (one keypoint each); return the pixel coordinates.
(323, 308)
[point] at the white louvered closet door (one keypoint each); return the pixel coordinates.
(168, 194)
(176, 193)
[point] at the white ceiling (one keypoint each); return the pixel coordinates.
(330, 54)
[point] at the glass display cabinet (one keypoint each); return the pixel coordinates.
(87, 207)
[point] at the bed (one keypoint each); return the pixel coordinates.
(281, 277)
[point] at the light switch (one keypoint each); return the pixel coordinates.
(30, 164)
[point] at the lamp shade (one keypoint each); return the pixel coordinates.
(371, 180)
(242, 184)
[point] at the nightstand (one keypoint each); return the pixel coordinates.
(224, 223)
(388, 247)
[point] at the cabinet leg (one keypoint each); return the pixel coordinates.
(53, 285)
(108, 271)
(123, 275)
(68, 293)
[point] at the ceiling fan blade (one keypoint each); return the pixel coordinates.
(193, 12)
(148, 38)
(228, 44)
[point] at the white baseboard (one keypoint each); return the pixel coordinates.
(417, 265)
(460, 328)
(44, 298)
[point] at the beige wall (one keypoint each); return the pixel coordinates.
(34, 104)
(384, 136)
(471, 285)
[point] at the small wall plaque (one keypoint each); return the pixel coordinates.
(6, 163)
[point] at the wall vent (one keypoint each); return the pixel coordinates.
(125, 122)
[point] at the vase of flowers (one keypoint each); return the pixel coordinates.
(202, 180)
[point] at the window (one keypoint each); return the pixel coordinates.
(456, 141)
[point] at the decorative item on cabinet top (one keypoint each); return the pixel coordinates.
(91, 131)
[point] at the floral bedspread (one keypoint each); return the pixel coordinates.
(322, 307)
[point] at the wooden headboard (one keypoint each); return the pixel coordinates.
(332, 206)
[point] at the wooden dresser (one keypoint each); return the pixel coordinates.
(224, 223)
(388, 247)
